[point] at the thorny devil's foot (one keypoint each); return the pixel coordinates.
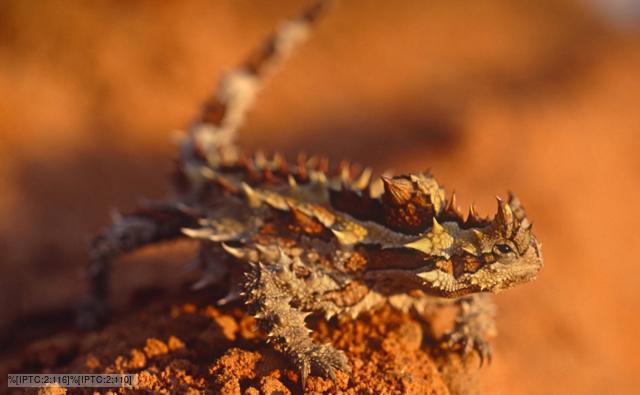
(312, 238)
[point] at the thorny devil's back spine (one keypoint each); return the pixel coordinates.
(293, 239)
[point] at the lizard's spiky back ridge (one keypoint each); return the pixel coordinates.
(406, 204)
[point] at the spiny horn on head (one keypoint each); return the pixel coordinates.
(516, 207)
(504, 218)
(523, 228)
(518, 212)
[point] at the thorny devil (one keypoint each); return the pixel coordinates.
(294, 239)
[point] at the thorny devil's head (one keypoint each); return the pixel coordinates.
(489, 255)
(451, 256)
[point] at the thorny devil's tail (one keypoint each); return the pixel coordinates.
(310, 238)
(210, 141)
(211, 138)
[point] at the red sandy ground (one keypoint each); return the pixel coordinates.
(179, 347)
(539, 97)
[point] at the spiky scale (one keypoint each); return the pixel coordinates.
(399, 190)
(363, 179)
(252, 196)
(292, 181)
(302, 167)
(436, 227)
(345, 237)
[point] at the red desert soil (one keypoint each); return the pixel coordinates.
(194, 347)
(539, 97)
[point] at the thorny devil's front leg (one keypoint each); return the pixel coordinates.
(270, 300)
(474, 322)
(473, 325)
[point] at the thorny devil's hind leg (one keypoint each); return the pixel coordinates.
(269, 300)
(127, 233)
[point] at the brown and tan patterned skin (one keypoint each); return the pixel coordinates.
(304, 237)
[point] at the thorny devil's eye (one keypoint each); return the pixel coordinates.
(502, 249)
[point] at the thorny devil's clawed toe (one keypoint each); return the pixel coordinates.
(473, 325)
(316, 238)
(320, 359)
(464, 342)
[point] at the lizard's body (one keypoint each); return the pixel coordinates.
(304, 237)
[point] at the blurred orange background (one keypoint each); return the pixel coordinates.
(539, 97)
